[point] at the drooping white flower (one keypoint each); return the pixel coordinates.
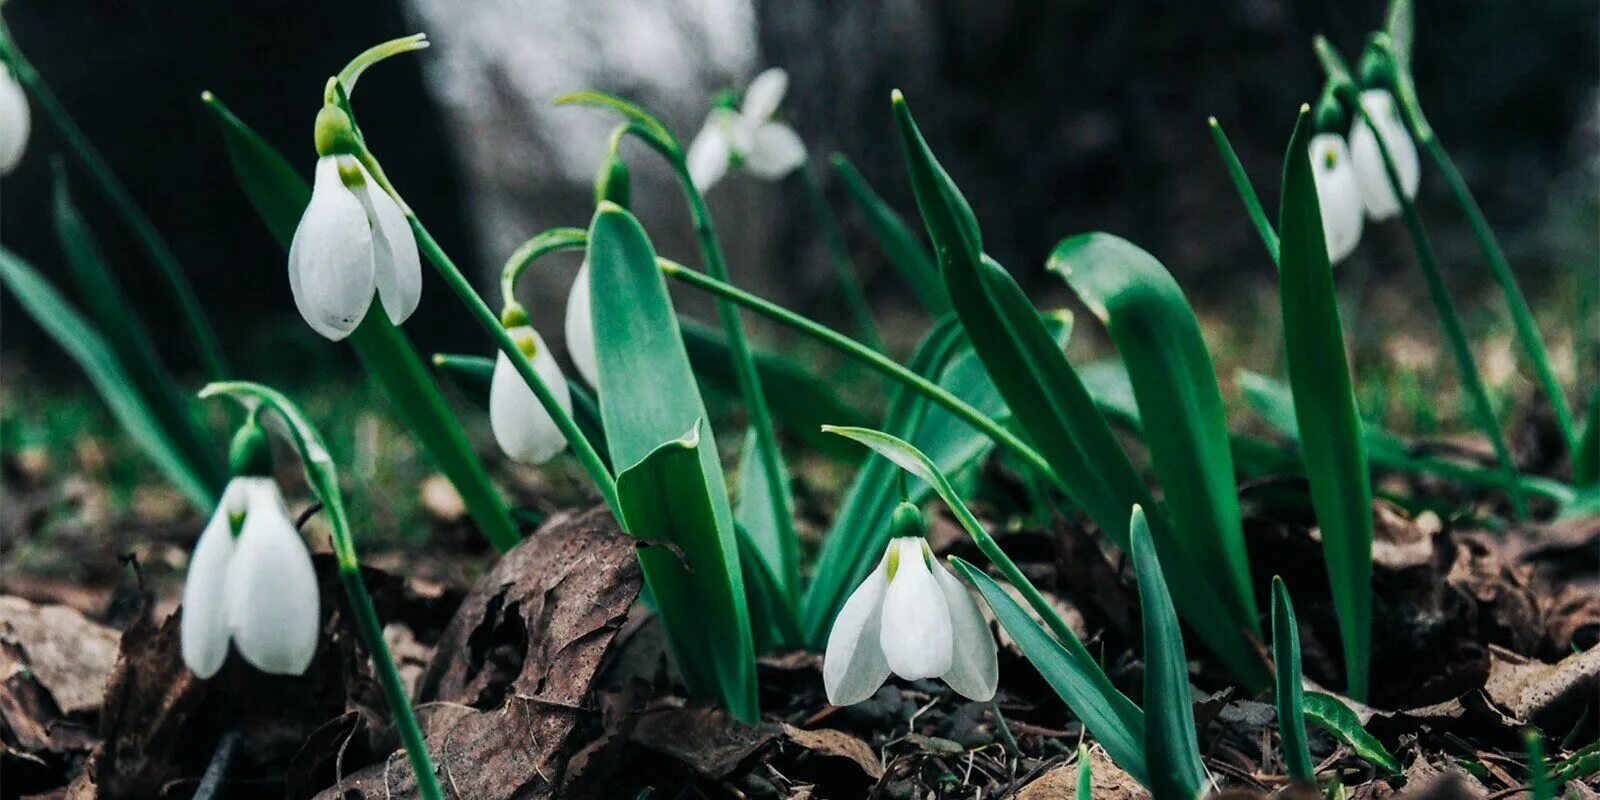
(747, 138)
(1338, 193)
(914, 619)
(15, 121)
(353, 240)
(524, 430)
(250, 581)
(580, 328)
(1376, 192)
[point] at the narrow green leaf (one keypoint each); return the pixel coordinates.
(1400, 22)
(89, 349)
(772, 615)
(754, 515)
(106, 304)
(679, 495)
(1156, 333)
(1331, 438)
(1332, 715)
(1170, 743)
(1538, 771)
(1586, 461)
(1082, 685)
(645, 123)
(800, 400)
(1245, 190)
(1286, 660)
(1085, 777)
(1050, 402)
(280, 196)
(905, 251)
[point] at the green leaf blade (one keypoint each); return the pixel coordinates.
(1332, 715)
(905, 252)
(1170, 742)
(1286, 660)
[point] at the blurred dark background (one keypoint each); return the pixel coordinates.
(1054, 117)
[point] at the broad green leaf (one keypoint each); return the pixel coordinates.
(1331, 439)
(1332, 715)
(1050, 402)
(94, 354)
(473, 375)
(800, 400)
(280, 196)
(904, 250)
(1170, 744)
(753, 513)
(772, 617)
(106, 304)
(1109, 716)
(1186, 430)
(679, 494)
(1286, 662)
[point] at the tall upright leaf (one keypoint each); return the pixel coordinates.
(1286, 660)
(1170, 744)
(906, 253)
(1331, 439)
(279, 196)
(1049, 400)
(1170, 369)
(671, 485)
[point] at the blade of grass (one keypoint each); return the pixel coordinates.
(150, 240)
(1170, 743)
(677, 491)
(905, 251)
(839, 256)
(1050, 402)
(89, 349)
(279, 196)
(1156, 333)
(1330, 429)
(1085, 777)
(1286, 660)
(106, 304)
(1539, 784)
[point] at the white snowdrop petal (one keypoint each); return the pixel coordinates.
(1374, 179)
(853, 667)
(1338, 193)
(16, 121)
(764, 95)
(330, 259)
(708, 154)
(273, 603)
(524, 430)
(915, 635)
(975, 660)
(580, 328)
(203, 631)
(397, 268)
(775, 151)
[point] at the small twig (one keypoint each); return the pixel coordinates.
(307, 514)
(217, 771)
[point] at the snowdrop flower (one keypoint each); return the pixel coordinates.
(580, 328)
(524, 430)
(913, 618)
(747, 137)
(352, 241)
(1338, 193)
(250, 581)
(1370, 173)
(15, 121)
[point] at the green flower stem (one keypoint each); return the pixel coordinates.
(844, 269)
(868, 356)
(323, 478)
(745, 371)
(1455, 334)
(156, 247)
(490, 323)
(523, 257)
(1247, 192)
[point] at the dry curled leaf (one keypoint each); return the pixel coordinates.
(1534, 692)
(835, 743)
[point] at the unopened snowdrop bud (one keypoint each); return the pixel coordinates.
(353, 241)
(1376, 192)
(911, 618)
(250, 580)
(747, 137)
(15, 121)
(1338, 193)
(523, 429)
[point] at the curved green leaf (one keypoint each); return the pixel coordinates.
(1331, 438)
(1332, 715)
(906, 253)
(1286, 660)
(645, 123)
(1156, 332)
(93, 353)
(280, 196)
(1170, 743)
(671, 486)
